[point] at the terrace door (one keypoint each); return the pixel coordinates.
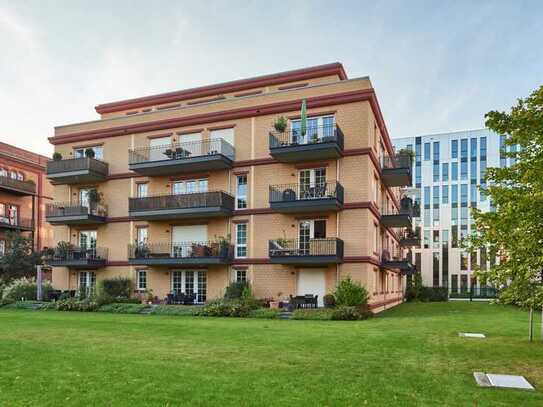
(158, 147)
(191, 144)
(308, 230)
(312, 183)
(190, 282)
(311, 281)
(87, 242)
(185, 238)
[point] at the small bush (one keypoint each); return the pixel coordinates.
(235, 290)
(122, 308)
(265, 313)
(350, 294)
(6, 301)
(329, 301)
(226, 308)
(434, 294)
(73, 304)
(89, 153)
(349, 314)
(114, 290)
(25, 288)
(313, 314)
(179, 310)
(57, 156)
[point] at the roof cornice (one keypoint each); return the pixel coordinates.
(226, 87)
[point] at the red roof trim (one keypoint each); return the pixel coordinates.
(226, 87)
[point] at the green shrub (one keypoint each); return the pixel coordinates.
(350, 294)
(116, 289)
(329, 301)
(350, 314)
(122, 308)
(265, 313)
(6, 301)
(228, 308)
(434, 294)
(179, 310)
(313, 314)
(25, 288)
(72, 304)
(235, 290)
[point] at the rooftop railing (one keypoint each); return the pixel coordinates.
(400, 160)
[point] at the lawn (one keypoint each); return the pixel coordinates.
(410, 355)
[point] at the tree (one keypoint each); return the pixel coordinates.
(20, 259)
(514, 230)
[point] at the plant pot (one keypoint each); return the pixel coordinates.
(274, 304)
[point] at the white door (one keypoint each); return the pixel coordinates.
(191, 144)
(312, 281)
(184, 236)
(312, 183)
(158, 147)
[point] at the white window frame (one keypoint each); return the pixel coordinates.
(142, 187)
(145, 235)
(90, 281)
(98, 152)
(238, 194)
(241, 245)
(195, 287)
(196, 185)
(139, 286)
(320, 128)
(240, 275)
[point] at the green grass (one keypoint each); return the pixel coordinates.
(408, 356)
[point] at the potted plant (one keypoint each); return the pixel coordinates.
(89, 153)
(224, 246)
(314, 138)
(280, 124)
(57, 156)
(329, 301)
(63, 250)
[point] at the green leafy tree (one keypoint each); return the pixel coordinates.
(20, 259)
(514, 231)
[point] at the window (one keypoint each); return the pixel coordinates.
(20, 176)
(241, 240)
(454, 149)
(445, 172)
(463, 261)
(142, 190)
(141, 280)
(454, 171)
(503, 158)
(436, 161)
(318, 128)
(189, 186)
(87, 282)
(98, 152)
(13, 174)
(190, 282)
(141, 235)
(3, 172)
(435, 267)
(445, 194)
(426, 151)
(241, 191)
(240, 275)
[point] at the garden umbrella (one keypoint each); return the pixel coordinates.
(303, 118)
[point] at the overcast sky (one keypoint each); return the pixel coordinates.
(436, 65)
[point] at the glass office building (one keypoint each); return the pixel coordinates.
(449, 167)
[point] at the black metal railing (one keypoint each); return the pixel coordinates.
(75, 253)
(296, 192)
(182, 201)
(59, 209)
(330, 246)
(181, 151)
(473, 292)
(16, 222)
(395, 255)
(410, 235)
(407, 207)
(397, 161)
(181, 250)
(77, 164)
(24, 186)
(313, 135)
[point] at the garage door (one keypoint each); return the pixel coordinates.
(184, 236)
(312, 281)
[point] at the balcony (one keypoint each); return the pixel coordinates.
(313, 252)
(75, 214)
(171, 159)
(319, 143)
(396, 170)
(77, 257)
(20, 223)
(410, 238)
(391, 218)
(181, 254)
(17, 187)
(397, 261)
(77, 170)
(296, 198)
(182, 206)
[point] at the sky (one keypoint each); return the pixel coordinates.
(436, 66)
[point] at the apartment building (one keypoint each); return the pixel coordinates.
(187, 191)
(449, 168)
(24, 190)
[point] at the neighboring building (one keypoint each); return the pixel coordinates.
(24, 189)
(449, 167)
(196, 189)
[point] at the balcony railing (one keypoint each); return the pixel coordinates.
(189, 156)
(410, 237)
(17, 186)
(310, 251)
(78, 257)
(18, 223)
(199, 204)
(320, 142)
(204, 253)
(397, 170)
(397, 260)
(73, 213)
(392, 217)
(327, 196)
(76, 170)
